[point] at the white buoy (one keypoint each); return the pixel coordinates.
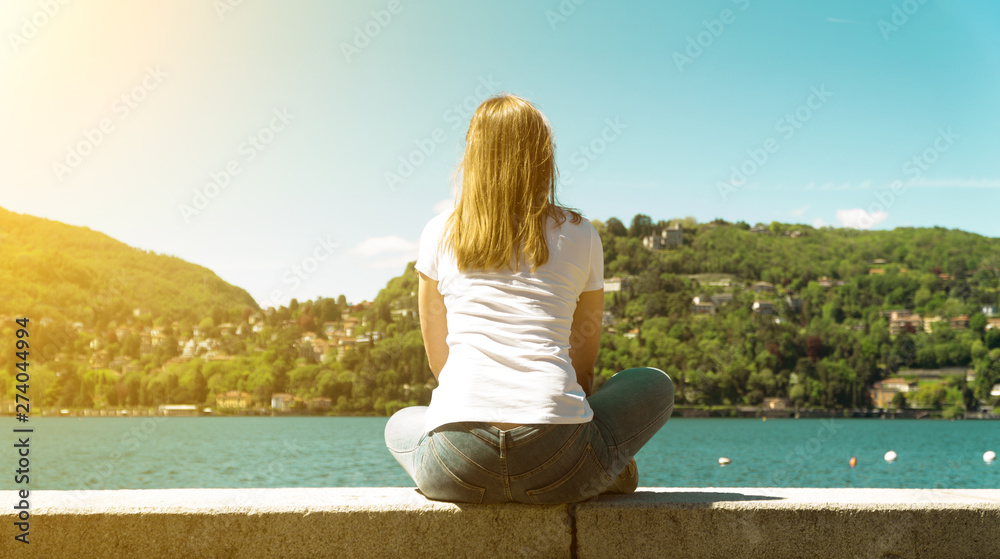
(989, 456)
(890, 456)
(724, 461)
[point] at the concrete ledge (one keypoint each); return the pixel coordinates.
(399, 522)
(769, 522)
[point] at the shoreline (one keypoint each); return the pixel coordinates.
(741, 412)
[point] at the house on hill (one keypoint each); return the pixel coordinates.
(762, 287)
(616, 283)
(349, 325)
(703, 306)
(883, 391)
(904, 321)
(764, 307)
(671, 237)
(282, 401)
(930, 321)
(722, 298)
(959, 322)
(895, 313)
(826, 281)
(234, 399)
(320, 403)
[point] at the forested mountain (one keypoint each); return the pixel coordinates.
(72, 273)
(832, 292)
(788, 311)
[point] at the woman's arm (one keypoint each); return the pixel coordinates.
(585, 336)
(433, 323)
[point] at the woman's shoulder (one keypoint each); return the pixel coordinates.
(565, 218)
(437, 223)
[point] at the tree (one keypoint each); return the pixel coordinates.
(642, 226)
(616, 227)
(977, 323)
(199, 389)
(306, 322)
(218, 316)
(898, 401)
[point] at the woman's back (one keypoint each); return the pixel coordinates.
(509, 332)
(510, 296)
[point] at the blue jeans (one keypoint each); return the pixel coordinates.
(475, 462)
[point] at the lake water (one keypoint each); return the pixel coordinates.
(147, 453)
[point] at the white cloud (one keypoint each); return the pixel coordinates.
(818, 223)
(857, 218)
(797, 212)
(379, 245)
(393, 262)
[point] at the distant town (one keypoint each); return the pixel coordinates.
(761, 321)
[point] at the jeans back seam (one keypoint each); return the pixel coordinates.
(569, 442)
(526, 440)
(503, 466)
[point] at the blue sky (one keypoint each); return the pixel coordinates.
(298, 148)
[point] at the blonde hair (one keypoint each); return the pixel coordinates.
(508, 188)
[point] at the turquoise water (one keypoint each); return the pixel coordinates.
(147, 453)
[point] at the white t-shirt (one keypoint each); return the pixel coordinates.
(508, 333)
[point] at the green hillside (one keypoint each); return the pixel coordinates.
(69, 273)
(771, 253)
(812, 316)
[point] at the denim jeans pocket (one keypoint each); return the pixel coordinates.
(439, 482)
(584, 480)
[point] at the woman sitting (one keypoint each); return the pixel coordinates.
(511, 297)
